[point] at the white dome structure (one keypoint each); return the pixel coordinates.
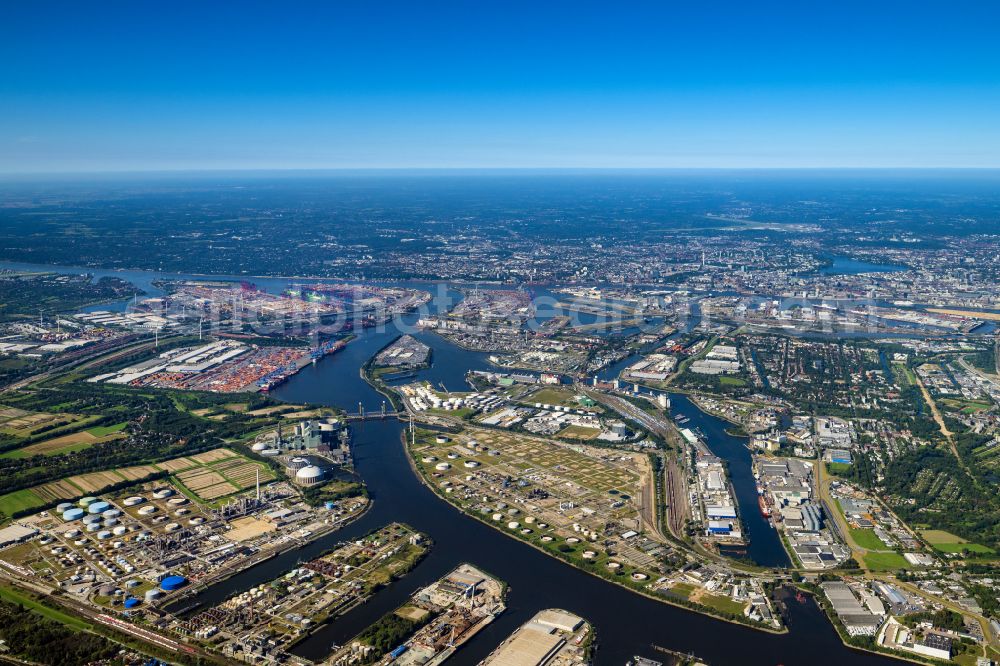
(309, 475)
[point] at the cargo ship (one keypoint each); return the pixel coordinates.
(281, 375)
(328, 347)
(765, 510)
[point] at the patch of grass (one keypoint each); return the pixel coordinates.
(959, 547)
(462, 413)
(885, 561)
(866, 539)
(720, 603)
(17, 597)
(840, 469)
(579, 432)
(940, 536)
(18, 501)
(101, 431)
(683, 589)
(731, 381)
(966, 406)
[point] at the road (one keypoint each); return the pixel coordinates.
(823, 488)
(936, 413)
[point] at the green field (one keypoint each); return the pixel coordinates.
(683, 589)
(16, 597)
(731, 381)
(461, 413)
(18, 501)
(866, 539)
(959, 547)
(966, 406)
(886, 561)
(720, 603)
(904, 376)
(101, 431)
(934, 537)
(946, 542)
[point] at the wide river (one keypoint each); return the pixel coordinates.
(627, 624)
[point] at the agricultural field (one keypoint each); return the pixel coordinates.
(22, 423)
(69, 443)
(218, 473)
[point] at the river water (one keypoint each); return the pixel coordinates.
(627, 624)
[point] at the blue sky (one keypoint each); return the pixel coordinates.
(141, 85)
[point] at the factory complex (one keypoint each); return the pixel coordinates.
(552, 637)
(263, 623)
(786, 495)
(435, 622)
(133, 550)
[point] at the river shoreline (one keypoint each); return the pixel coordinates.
(432, 488)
